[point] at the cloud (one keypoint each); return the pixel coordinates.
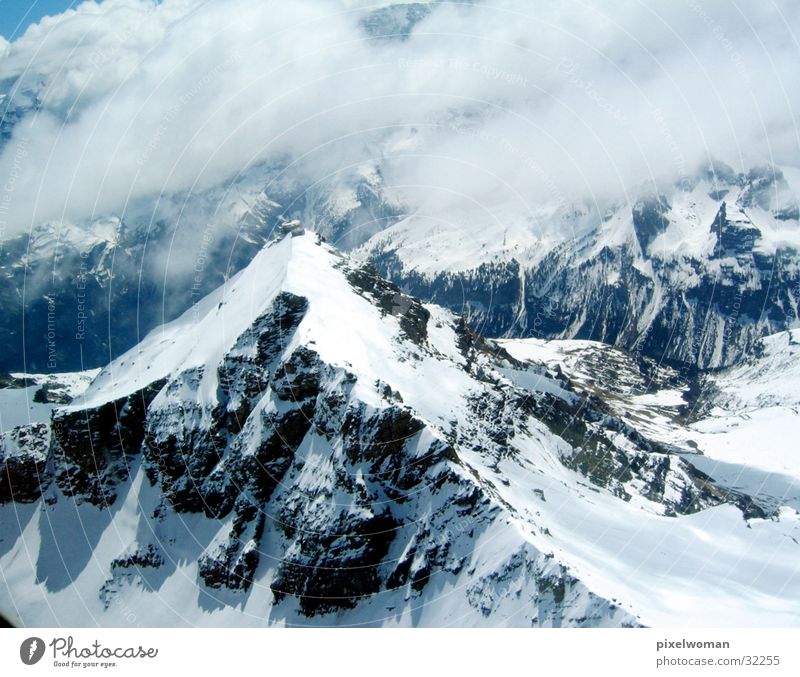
(502, 104)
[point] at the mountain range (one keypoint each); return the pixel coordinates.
(309, 445)
(400, 314)
(694, 275)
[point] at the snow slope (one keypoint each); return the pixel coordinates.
(737, 426)
(310, 446)
(696, 272)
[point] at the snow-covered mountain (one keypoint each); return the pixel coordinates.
(422, 154)
(731, 423)
(695, 274)
(309, 445)
(78, 294)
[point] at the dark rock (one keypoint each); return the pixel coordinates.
(92, 448)
(24, 471)
(649, 219)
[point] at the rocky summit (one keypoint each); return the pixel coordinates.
(309, 445)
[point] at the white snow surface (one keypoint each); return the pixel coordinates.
(17, 406)
(430, 244)
(756, 413)
(743, 436)
(345, 329)
(712, 568)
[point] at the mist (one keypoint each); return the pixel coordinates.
(483, 107)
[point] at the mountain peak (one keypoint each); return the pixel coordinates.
(308, 439)
(352, 318)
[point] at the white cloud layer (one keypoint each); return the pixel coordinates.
(495, 103)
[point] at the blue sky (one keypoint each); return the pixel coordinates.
(17, 15)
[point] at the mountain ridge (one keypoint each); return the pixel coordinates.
(309, 445)
(685, 277)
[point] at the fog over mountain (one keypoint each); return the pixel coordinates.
(348, 313)
(487, 106)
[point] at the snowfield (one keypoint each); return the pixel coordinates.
(415, 474)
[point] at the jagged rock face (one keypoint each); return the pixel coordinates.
(706, 310)
(339, 488)
(734, 240)
(129, 568)
(231, 562)
(231, 458)
(24, 474)
(609, 452)
(488, 296)
(413, 316)
(649, 219)
(92, 448)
